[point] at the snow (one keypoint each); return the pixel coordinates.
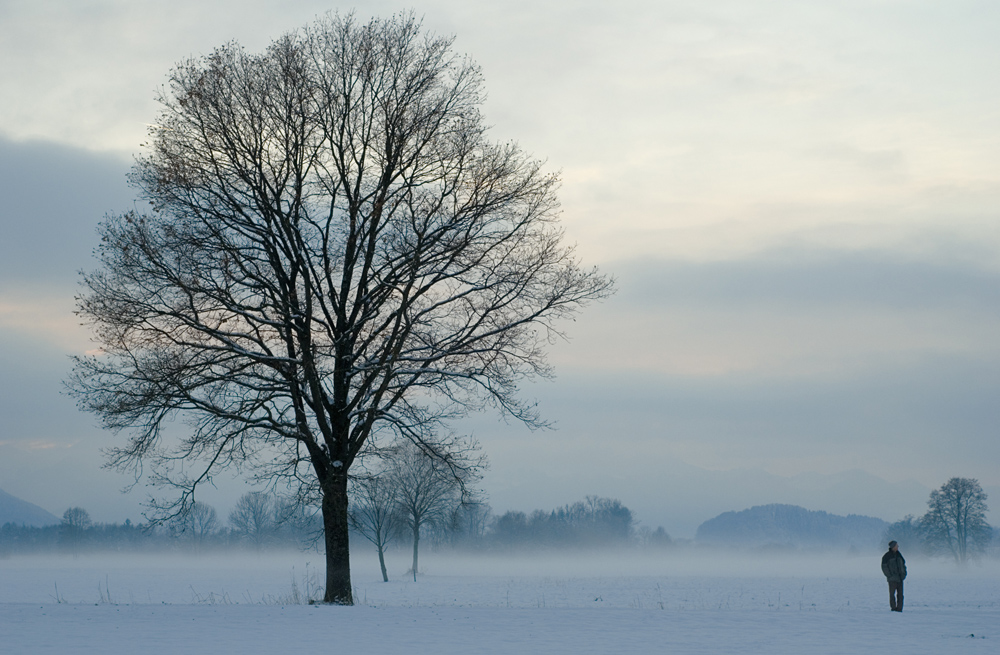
(714, 602)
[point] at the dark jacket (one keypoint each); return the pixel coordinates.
(894, 566)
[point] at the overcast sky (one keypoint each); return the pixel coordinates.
(800, 202)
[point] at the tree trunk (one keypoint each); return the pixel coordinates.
(416, 544)
(335, 530)
(381, 562)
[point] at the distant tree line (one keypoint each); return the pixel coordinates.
(76, 533)
(954, 525)
(259, 520)
(592, 522)
(446, 519)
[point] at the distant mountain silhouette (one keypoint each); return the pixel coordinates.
(791, 525)
(21, 512)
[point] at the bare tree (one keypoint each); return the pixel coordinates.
(198, 522)
(76, 518)
(75, 522)
(203, 521)
(956, 518)
(469, 521)
(428, 488)
(296, 521)
(253, 517)
(647, 537)
(336, 256)
(373, 513)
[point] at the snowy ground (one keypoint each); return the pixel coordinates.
(679, 603)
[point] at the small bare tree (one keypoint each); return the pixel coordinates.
(469, 521)
(253, 517)
(297, 521)
(204, 520)
(336, 257)
(956, 519)
(374, 513)
(429, 486)
(76, 518)
(198, 523)
(75, 522)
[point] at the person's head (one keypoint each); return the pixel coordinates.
(893, 546)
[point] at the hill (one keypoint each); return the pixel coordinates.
(21, 512)
(791, 525)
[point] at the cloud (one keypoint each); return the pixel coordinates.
(811, 278)
(36, 444)
(46, 321)
(682, 449)
(810, 361)
(704, 387)
(806, 314)
(54, 197)
(690, 129)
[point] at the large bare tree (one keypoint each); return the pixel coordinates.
(955, 521)
(335, 255)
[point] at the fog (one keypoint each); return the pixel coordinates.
(449, 577)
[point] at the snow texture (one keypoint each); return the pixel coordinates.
(478, 605)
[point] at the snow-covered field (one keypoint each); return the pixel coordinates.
(704, 602)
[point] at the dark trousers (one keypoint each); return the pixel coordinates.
(896, 596)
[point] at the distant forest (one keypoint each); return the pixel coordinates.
(263, 521)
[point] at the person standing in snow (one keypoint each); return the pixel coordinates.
(894, 568)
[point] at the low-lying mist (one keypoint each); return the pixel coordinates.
(450, 576)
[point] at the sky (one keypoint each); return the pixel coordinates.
(800, 203)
